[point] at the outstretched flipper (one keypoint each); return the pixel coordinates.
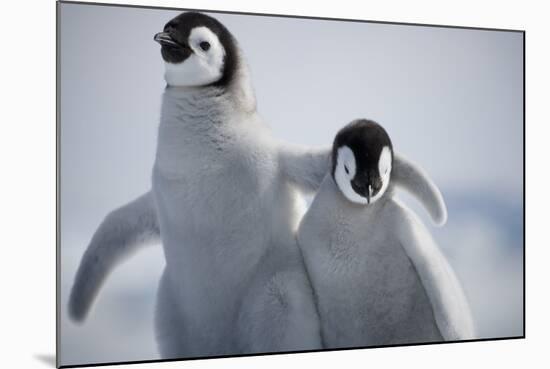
(121, 233)
(413, 179)
(450, 307)
(306, 168)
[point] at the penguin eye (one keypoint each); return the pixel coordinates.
(205, 45)
(346, 169)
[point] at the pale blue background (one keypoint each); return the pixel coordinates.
(451, 100)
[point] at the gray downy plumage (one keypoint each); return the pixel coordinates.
(378, 276)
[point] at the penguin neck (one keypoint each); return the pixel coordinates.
(235, 97)
(191, 103)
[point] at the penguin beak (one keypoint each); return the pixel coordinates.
(362, 188)
(165, 39)
(368, 193)
(171, 49)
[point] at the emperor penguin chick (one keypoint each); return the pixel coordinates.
(234, 281)
(377, 275)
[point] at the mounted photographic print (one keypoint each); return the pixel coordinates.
(236, 184)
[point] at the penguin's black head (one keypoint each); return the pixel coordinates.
(362, 157)
(198, 50)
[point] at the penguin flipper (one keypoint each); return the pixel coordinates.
(450, 306)
(122, 232)
(413, 179)
(304, 166)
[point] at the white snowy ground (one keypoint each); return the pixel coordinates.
(483, 241)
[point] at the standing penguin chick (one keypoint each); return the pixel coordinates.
(377, 274)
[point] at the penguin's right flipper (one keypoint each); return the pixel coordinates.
(413, 179)
(304, 166)
(121, 233)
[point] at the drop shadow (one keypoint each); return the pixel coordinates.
(47, 359)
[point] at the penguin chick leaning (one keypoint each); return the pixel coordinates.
(378, 276)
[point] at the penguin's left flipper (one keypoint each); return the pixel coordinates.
(121, 233)
(413, 179)
(448, 300)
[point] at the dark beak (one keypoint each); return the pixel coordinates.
(362, 187)
(367, 194)
(165, 39)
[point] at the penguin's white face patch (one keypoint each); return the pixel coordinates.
(384, 170)
(345, 172)
(203, 66)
